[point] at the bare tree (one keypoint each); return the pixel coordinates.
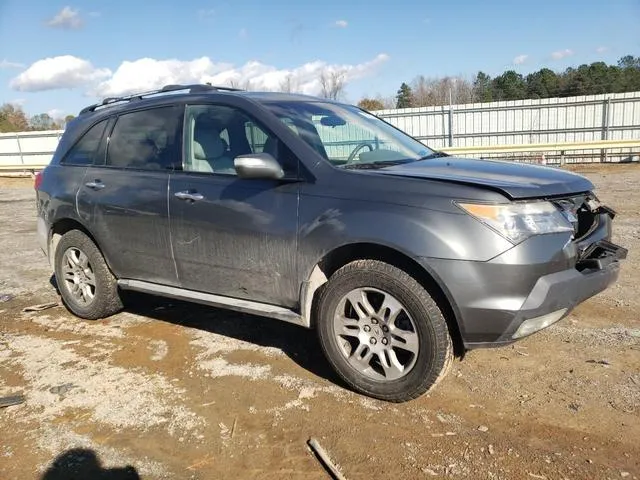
(422, 91)
(440, 91)
(444, 88)
(462, 91)
(333, 83)
(42, 121)
(388, 101)
(289, 84)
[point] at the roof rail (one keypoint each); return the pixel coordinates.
(192, 88)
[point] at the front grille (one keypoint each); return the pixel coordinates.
(600, 254)
(579, 212)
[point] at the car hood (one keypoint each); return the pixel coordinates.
(516, 180)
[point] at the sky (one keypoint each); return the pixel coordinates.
(58, 57)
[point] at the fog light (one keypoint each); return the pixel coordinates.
(538, 323)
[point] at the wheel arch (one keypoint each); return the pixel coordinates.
(64, 225)
(340, 256)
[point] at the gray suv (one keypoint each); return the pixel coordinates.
(320, 214)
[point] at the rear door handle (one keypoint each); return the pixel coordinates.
(193, 196)
(95, 185)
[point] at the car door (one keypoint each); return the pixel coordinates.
(233, 236)
(123, 199)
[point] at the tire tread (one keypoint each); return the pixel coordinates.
(376, 269)
(107, 300)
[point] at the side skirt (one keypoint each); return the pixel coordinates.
(237, 304)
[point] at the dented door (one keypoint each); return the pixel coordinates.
(235, 237)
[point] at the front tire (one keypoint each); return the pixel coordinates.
(87, 286)
(382, 332)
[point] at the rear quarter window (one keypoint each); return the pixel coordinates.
(85, 150)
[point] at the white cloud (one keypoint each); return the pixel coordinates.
(17, 102)
(95, 14)
(560, 54)
(148, 74)
(243, 33)
(520, 59)
(341, 23)
(67, 18)
(602, 49)
(52, 73)
(7, 64)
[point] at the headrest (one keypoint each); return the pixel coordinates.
(207, 142)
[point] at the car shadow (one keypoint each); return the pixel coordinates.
(300, 344)
(83, 463)
(54, 284)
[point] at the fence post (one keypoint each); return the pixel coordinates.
(451, 125)
(19, 149)
(606, 106)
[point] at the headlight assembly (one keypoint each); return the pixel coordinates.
(519, 221)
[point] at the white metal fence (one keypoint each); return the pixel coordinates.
(28, 149)
(523, 122)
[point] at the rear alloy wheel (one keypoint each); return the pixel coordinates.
(78, 276)
(87, 286)
(382, 331)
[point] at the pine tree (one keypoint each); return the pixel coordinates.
(404, 96)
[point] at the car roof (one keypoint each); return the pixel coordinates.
(282, 96)
(171, 93)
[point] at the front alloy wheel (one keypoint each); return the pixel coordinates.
(382, 331)
(376, 334)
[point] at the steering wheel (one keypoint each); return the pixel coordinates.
(359, 147)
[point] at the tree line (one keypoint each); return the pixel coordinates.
(14, 119)
(593, 79)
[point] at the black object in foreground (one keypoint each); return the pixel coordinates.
(12, 400)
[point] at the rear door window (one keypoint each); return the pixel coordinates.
(147, 139)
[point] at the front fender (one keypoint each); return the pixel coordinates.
(327, 224)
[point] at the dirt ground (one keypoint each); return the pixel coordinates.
(187, 392)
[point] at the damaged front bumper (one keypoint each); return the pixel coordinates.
(555, 295)
(532, 285)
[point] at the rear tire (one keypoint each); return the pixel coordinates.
(382, 332)
(87, 286)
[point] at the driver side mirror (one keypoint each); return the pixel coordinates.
(258, 165)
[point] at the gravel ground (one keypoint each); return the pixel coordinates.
(177, 391)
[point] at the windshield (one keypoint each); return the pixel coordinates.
(347, 136)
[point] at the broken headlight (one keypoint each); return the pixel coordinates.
(519, 221)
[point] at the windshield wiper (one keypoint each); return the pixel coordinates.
(375, 165)
(434, 155)
(390, 163)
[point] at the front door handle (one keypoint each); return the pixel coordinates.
(95, 185)
(193, 196)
